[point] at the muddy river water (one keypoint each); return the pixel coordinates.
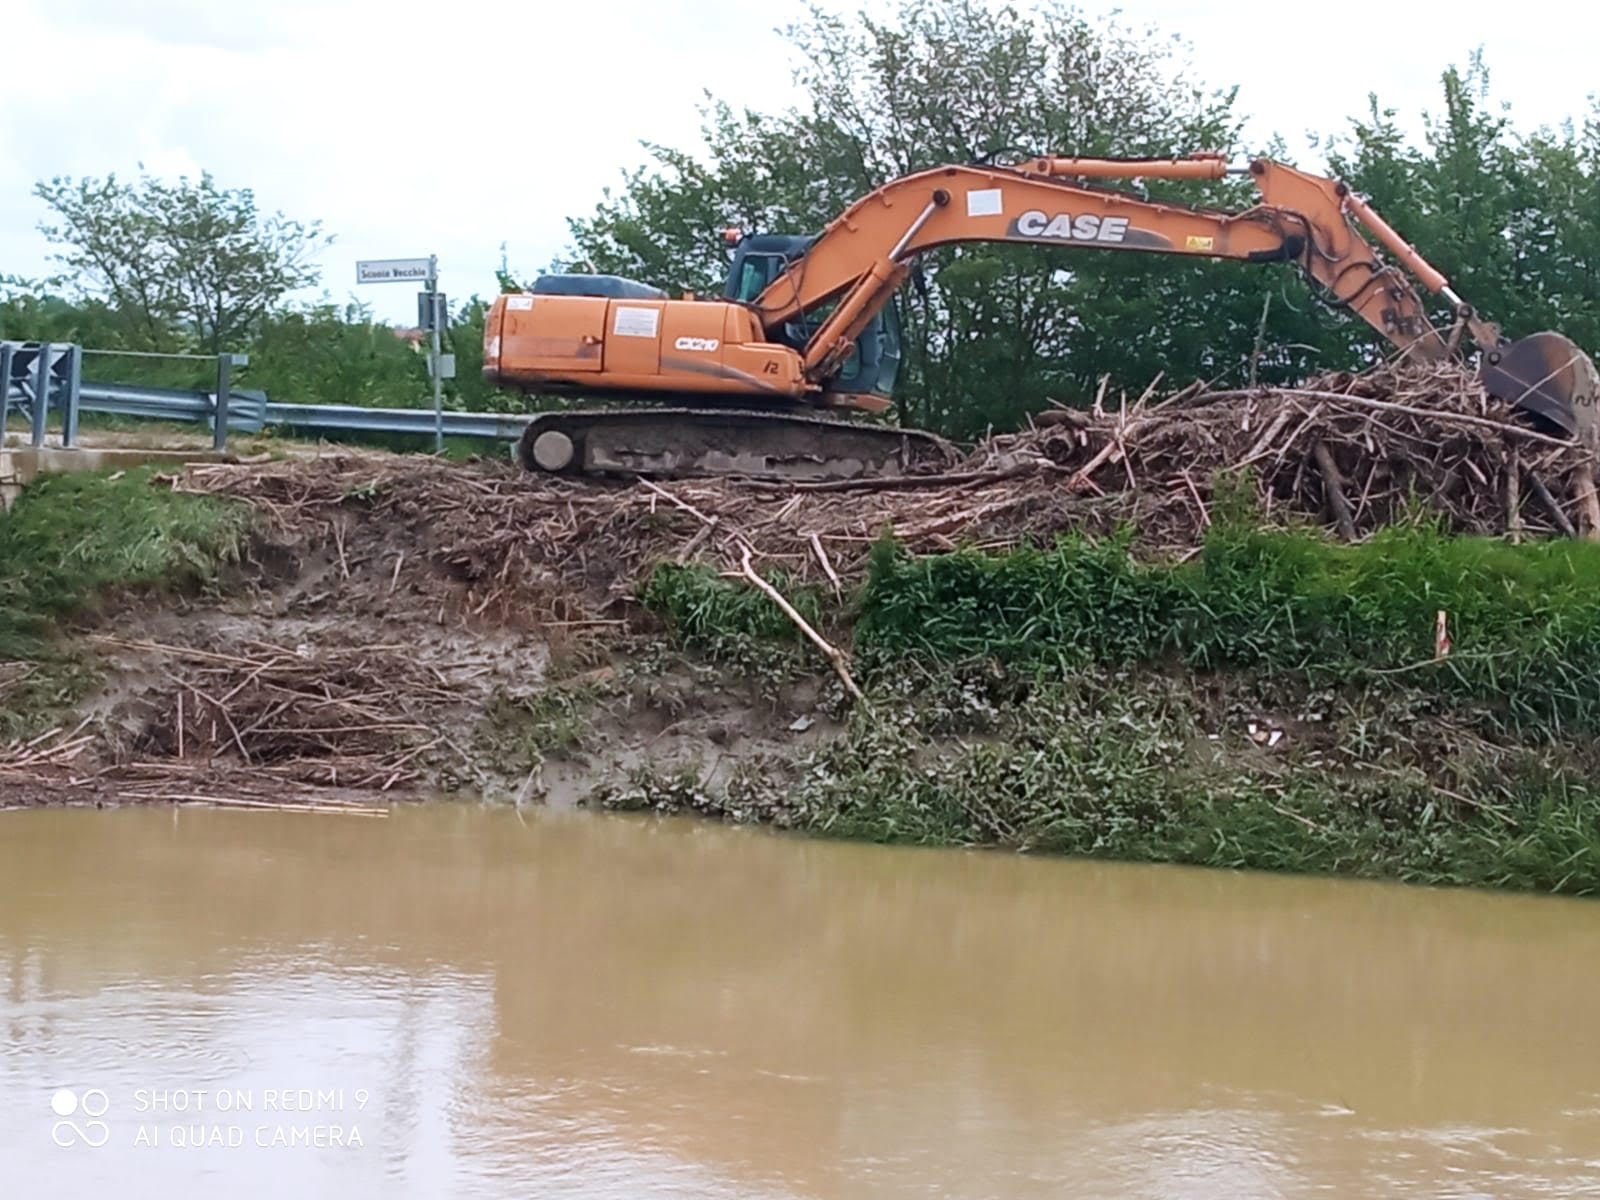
(455, 1001)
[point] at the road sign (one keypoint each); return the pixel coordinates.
(432, 312)
(393, 270)
(433, 308)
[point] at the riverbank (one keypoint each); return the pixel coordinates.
(358, 627)
(1275, 702)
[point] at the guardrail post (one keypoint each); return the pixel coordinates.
(219, 435)
(5, 390)
(69, 396)
(41, 393)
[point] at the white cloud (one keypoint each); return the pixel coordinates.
(414, 126)
(407, 128)
(249, 28)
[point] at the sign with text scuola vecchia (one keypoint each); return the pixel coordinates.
(392, 270)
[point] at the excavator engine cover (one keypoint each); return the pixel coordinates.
(1546, 376)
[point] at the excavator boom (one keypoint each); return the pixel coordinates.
(787, 346)
(864, 254)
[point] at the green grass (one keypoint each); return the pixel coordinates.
(1113, 770)
(520, 731)
(71, 540)
(1150, 768)
(731, 622)
(1076, 699)
(1524, 620)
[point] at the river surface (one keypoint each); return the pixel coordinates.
(457, 1002)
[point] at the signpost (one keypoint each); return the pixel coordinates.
(408, 270)
(394, 270)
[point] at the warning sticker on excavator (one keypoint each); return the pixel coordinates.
(519, 303)
(1195, 242)
(983, 202)
(635, 322)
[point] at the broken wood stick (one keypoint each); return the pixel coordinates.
(1539, 489)
(827, 567)
(1205, 515)
(352, 810)
(1588, 502)
(683, 504)
(693, 543)
(1265, 441)
(1514, 496)
(1107, 451)
(1333, 490)
(1183, 395)
(833, 653)
(896, 483)
(1501, 427)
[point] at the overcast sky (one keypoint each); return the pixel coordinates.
(414, 127)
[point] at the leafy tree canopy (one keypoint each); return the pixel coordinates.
(185, 265)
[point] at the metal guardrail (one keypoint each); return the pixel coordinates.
(32, 375)
(500, 426)
(244, 411)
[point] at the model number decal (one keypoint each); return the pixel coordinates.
(1086, 227)
(694, 343)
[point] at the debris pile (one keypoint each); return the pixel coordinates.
(1353, 452)
(356, 716)
(49, 755)
(395, 597)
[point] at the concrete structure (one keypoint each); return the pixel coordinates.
(20, 466)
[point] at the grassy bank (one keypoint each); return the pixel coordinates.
(1273, 702)
(75, 541)
(1523, 620)
(1164, 769)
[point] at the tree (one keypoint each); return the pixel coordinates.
(1509, 218)
(328, 355)
(1001, 329)
(188, 265)
(40, 316)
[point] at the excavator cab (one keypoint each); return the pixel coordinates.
(873, 365)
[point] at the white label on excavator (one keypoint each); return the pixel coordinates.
(519, 303)
(635, 322)
(984, 202)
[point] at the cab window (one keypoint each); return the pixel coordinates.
(756, 272)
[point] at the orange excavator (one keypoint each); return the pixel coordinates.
(805, 325)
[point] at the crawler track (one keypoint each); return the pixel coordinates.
(699, 442)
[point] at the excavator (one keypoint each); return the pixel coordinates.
(745, 384)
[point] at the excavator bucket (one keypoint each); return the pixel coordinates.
(1548, 377)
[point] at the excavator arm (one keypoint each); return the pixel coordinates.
(866, 253)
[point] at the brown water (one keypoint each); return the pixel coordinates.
(587, 1006)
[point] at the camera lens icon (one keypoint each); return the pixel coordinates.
(94, 1102)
